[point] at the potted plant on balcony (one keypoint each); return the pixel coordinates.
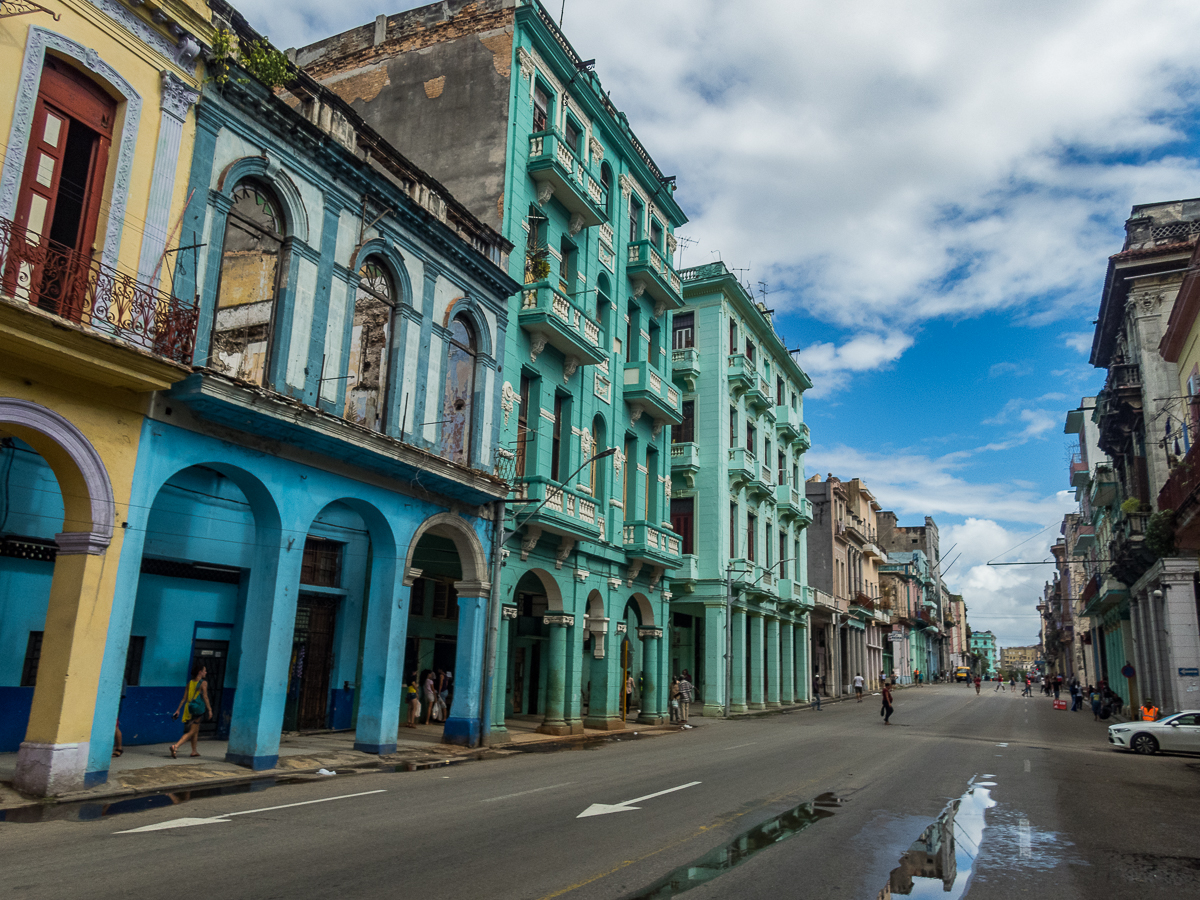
(537, 261)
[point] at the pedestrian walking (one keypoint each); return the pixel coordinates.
(978, 682)
(195, 707)
(628, 693)
(817, 691)
(1094, 699)
(887, 708)
(686, 690)
(858, 686)
(429, 693)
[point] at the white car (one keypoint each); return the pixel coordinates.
(1180, 731)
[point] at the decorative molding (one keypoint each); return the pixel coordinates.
(532, 534)
(626, 185)
(639, 288)
(614, 583)
(177, 95)
(582, 575)
(652, 633)
(526, 63)
(565, 546)
(544, 192)
(183, 52)
(632, 572)
(597, 151)
(547, 414)
(637, 413)
(537, 343)
(656, 574)
(508, 612)
(656, 429)
(618, 461)
(39, 41)
(575, 225)
(622, 628)
(411, 574)
(570, 366)
(565, 620)
(80, 543)
(672, 244)
(508, 399)
(667, 595)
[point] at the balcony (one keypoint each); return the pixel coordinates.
(1079, 472)
(758, 395)
(762, 482)
(647, 392)
(787, 501)
(553, 164)
(746, 573)
(741, 374)
(72, 286)
(787, 423)
(647, 267)
(1104, 487)
(551, 318)
(1127, 550)
(1181, 493)
(651, 544)
(567, 512)
(688, 572)
(803, 441)
(805, 516)
(742, 467)
(1085, 540)
(685, 462)
(685, 367)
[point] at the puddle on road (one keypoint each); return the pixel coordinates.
(940, 862)
(743, 847)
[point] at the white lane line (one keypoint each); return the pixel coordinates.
(1002, 745)
(600, 809)
(739, 746)
(224, 817)
(548, 787)
(1025, 839)
(1026, 765)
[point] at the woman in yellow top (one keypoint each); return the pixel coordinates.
(195, 706)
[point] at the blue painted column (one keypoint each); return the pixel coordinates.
(787, 658)
(714, 659)
(651, 712)
(773, 666)
(499, 732)
(574, 678)
(177, 99)
(757, 696)
(737, 687)
(555, 719)
(266, 648)
(462, 725)
(383, 656)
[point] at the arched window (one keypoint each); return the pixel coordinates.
(597, 475)
(247, 291)
(603, 308)
(606, 185)
(370, 344)
(460, 392)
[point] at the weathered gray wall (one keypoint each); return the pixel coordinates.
(437, 88)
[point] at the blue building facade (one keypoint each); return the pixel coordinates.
(314, 507)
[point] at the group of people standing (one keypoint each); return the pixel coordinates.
(681, 694)
(434, 686)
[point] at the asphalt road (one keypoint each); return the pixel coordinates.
(1065, 817)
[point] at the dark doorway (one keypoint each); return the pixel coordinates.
(214, 655)
(312, 661)
(535, 679)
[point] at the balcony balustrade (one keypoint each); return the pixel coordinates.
(646, 390)
(685, 461)
(803, 440)
(787, 501)
(554, 165)
(741, 374)
(758, 396)
(567, 511)
(645, 265)
(742, 467)
(805, 515)
(787, 423)
(1104, 487)
(651, 544)
(77, 288)
(1181, 493)
(1085, 540)
(552, 318)
(1079, 472)
(685, 367)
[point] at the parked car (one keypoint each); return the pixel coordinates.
(1180, 731)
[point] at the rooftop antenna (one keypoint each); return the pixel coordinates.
(562, 12)
(684, 243)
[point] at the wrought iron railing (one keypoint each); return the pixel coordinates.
(75, 287)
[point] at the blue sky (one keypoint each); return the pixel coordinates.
(930, 190)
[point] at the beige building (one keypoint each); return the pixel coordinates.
(1017, 659)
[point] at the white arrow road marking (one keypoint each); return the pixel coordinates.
(600, 809)
(185, 823)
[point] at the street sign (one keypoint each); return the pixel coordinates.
(895, 637)
(1189, 673)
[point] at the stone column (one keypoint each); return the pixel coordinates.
(787, 653)
(773, 666)
(737, 686)
(714, 659)
(382, 678)
(757, 663)
(652, 688)
(803, 666)
(555, 721)
(574, 680)
(1183, 632)
(499, 731)
(463, 721)
(53, 757)
(604, 696)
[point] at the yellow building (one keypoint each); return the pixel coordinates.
(1017, 659)
(97, 110)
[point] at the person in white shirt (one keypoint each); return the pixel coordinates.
(858, 686)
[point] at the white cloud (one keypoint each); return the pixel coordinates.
(1079, 341)
(828, 364)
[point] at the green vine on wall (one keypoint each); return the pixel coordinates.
(259, 58)
(1160, 533)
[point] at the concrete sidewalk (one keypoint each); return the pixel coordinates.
(149, 768)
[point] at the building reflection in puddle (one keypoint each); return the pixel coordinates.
(941, 860)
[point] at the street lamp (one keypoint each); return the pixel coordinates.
(587, 462)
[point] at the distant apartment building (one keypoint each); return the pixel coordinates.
(1017, 659)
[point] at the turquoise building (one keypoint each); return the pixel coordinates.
(910, 589)
(493, 100)
(737, 501)
(983, 646)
